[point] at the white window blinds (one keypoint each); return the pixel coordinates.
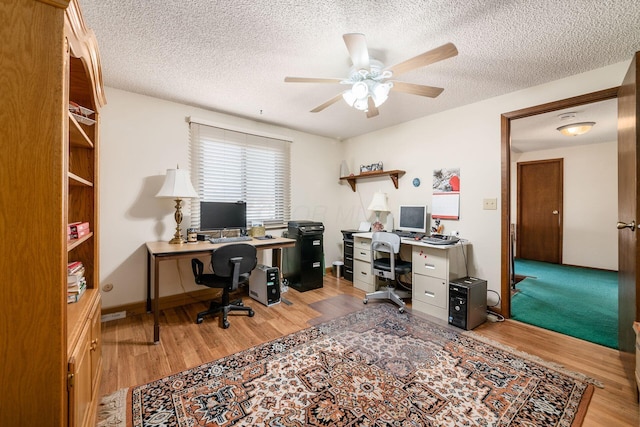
(230, 165)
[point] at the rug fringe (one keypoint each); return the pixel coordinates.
(546, 363)
(111, 410)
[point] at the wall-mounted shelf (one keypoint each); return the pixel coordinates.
(394, 175)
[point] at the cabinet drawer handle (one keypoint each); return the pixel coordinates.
(363, 253)
(429, 294)
(430, 266)
(363, 273)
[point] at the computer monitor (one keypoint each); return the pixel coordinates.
(220, 215)
(412, 218)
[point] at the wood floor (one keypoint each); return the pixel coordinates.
(131, 358)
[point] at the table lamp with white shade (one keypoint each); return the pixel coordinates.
(177, 186)
(378, 204)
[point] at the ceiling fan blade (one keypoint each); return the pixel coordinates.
(438, 54)
(310, 80)
(372, 110)
(357, 47)
(415, 89)
(333, 100)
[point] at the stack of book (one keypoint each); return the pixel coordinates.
(76, 282)
(76, 230)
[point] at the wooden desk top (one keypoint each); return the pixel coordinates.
(166, 248)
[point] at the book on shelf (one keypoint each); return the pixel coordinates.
(74, 296)
(74, 267)
(76, 288)
(76, 230)
(78, 226)
(76, 276)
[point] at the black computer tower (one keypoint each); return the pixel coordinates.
(264, 284)
(467, 302)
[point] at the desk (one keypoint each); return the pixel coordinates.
(162, 251)
(433, 266)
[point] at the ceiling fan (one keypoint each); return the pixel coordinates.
(370, 79)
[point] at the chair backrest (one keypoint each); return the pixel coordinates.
(221, 259)
(385, 242)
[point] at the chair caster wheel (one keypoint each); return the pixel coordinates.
(252, 313)
(364, 301)
(199, 320)
(401, 309)
(225, 324)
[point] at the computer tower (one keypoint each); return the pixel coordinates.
(467, 302)
(264, 284)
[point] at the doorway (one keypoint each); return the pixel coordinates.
(506, 119)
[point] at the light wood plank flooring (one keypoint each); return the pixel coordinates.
(131, 358)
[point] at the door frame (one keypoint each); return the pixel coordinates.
(505, 148)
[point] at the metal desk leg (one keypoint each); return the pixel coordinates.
(156, 300)
(149, 282)
(276, 259)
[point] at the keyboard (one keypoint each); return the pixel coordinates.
(229, 239)
(408, 234)
(443, 240)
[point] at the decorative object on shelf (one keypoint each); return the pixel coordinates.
(177, 186)
(81, 114)
(378, 204)
(416, 182)
(344, 169)
(374, 167)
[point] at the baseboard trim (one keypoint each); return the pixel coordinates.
(170, 301)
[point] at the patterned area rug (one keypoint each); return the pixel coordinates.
(375, 367)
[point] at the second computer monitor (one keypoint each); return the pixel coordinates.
(412, 218)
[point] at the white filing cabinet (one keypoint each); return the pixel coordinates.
(432, 269)
(362, 277)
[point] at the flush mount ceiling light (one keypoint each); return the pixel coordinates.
(574, 129)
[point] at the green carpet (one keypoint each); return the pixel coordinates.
(574, 301)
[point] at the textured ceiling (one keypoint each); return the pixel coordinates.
(231, 56)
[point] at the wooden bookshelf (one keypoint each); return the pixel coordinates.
(52, 361)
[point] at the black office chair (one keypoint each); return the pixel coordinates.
(389, 267)
(232, 264)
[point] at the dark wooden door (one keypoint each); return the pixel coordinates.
(628, 176)
(539, 219)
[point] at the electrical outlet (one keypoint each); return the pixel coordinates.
(490, 204)
(113, 316)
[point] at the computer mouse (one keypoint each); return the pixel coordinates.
(268, 236)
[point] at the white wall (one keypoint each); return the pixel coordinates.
(140, 138)
(590, 202)
(469, 138)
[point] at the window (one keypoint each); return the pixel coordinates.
(230, 165)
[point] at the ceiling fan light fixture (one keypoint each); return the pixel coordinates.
(380, 92)
(358, 95)
(575, 129)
